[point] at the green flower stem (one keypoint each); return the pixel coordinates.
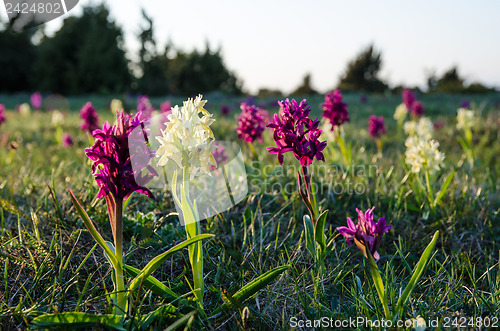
(343, 148)
(379, 143)
(120, 295)
(429, 188)
(379, 285)
(469, 151)
(417, 273)
(252, 149)
(192, 224)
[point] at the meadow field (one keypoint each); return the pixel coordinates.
(50, 262)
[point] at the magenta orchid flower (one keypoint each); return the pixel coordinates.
(90, 118)
(376, 126)
(67, 140)
(36, 100)
(2, 114)
(251, 123)
(334, 109)
(294, 131)
(366, 234)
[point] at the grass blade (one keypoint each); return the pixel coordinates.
(93, 231)
(416, 274)
(446, 183)
(157, 261)
(379, 284)
(74, 320)
(151, 283)
(181, 321)
(253, 287)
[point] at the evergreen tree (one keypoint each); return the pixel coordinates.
(17, 56)
(362, 73)
(450, 82)
(205, 72)
(153, 65)
(305, 88)
(85, 56)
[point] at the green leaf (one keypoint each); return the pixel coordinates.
(303, 194)
(93, 231)
(320, 236)
(379, 284)
(463, 143)
(309, 234)
(127, 202)
(253, 287)
(417, 273)
(161, 312)
(314, 194)
(157, 261)
(79, 320)
(468, 137)
(181, 321)
(151, 283)
(446, 183)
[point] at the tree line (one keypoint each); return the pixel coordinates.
(87, 55)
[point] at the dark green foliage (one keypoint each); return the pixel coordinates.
(451, 82)
(362, 73)
(153, 65)
(305, 88)
(269, 93)
(85, 56)
(17, 55)
(205, 72)
(177, 72)
(478, 88)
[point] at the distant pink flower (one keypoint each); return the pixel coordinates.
(166, 107)
(438, 125)
(265, 115)
(273, 103)
(36, 100)
(90, 118)
(363, 99)
(67, 140)
(465, 104)
(334, 109)
(219, 154)
(250, 123)
(225, 110)
(376, 126)
(408, 98)
(2, 114)
(144, 106)
(417, 108)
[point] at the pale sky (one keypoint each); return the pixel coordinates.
(274, 43)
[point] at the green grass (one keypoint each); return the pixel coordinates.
(49, 262)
